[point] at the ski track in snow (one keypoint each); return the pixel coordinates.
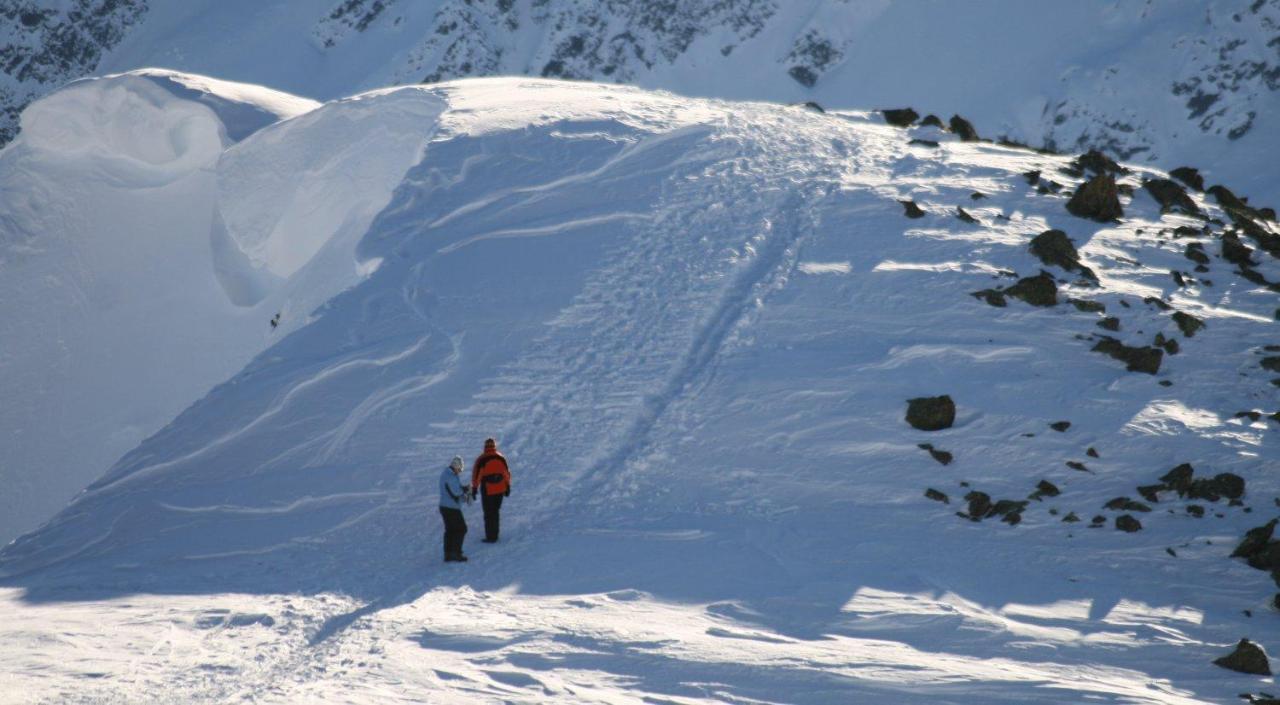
(700, 390)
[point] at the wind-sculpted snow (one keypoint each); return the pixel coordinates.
(694, 327)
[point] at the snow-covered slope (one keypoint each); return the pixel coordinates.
(1164, 82)
(694, 326)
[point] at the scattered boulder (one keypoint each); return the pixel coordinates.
(924, 143)
(1179, 478)
(1146, 359)
(900, 117)
(1195, 510)
(1151, 493)
(1127, 523)
(911, 210)
(1224, 484)
(1009, 511)
(1195, 252)
(1098, 163)
(1098, 520)
(1110, 323)
(1044, 488)
(931, 413)
(1255, 540)
(1088, 306)
(1098, 200)
(1077, 465)
(1171, 197)
(1070, 518)
(1187, 323)
(977, 196)
(1247, 657)
(941, 456)
(1236, 252)
(811, 105)
(1040, 290)
(1124, 504)
(1270, 363)
(963, 215)
(933, 120)
(1189, 176)
(937, 496)
(979, 505)
(1060, 426)
(1158, 303)
(1092, 452)
(1054, 248)
(964, 129)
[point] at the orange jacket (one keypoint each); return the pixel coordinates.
(490, 471)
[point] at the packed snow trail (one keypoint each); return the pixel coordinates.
(693, 326)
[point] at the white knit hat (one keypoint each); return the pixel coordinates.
(456, 463)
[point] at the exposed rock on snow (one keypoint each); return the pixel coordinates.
(900, 117)
(1054, 248)
(1136, 359)
(1098, 199)
(1247, 657)
(931, 413)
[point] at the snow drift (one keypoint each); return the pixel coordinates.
(694, 326)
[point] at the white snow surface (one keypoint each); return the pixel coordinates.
(693, 326)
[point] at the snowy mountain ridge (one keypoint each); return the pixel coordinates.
(695, 327)
(1163, 82)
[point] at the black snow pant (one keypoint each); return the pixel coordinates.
(455, 528)
(492, 504)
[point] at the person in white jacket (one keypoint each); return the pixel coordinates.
(452, 497)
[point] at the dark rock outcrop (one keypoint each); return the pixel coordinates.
(1097, 162)
(964, 215)
(900, 117)
(1124, 504)
(1127, 523)
(1135, 359)
(937, 496)
(941, 456)
(1110, 323)
(1195, 252)
(1189, 176)
(964, 129)
(1054, 248)
(1040, 290)
(932, 120)
(1097, 199)
(1247, 657)
(1255, 540)
(931, 413)
(1171, 197)
(1060, 426)
(1187, 323)
(911, 210)
(1044, 488)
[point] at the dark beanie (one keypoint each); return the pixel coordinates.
(490, 444)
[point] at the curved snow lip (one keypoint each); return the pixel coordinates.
(315, 182)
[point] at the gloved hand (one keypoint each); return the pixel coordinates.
(507, 493)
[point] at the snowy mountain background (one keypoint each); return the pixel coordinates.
(253, 325)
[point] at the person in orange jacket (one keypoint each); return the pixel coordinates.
(491, 480)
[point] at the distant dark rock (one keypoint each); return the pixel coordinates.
(1044, 488)
(964, 129)
(1151, 492)
(1124, 504)
(924, 143)
(1236, 252)
(1097, 199)
(1054, 248)
(1092, 452)
(811, 105)
(1195, 252)
(911, 210)
(1251, 415)
(979, 504)
(1135, 359)
(1032, 177)
(1158, 303)
(1126, 523)
(1170, 345)
(932, 120)
(1255, 540)
(1179, 478)
(1247, 657)
(1270, 363)
(1109, 323)
(931, 413)
(900, 117)
(1171, 197)
(963, 215)
(1187, 323)
(937, 496)
(977, 196)
(1060, 426)
(1077, 465)
(1098, 520)
(1195, 510)
(1098, 163)
(941, 456)
(1088, 306)
(993, 297)
(1040, 290)
(1070, 518)
(1224, 484)
(1189, 176)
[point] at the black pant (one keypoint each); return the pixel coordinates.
(455, 528)
(492, 504)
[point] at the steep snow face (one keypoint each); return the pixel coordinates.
(1164, 82)
(694, 327)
